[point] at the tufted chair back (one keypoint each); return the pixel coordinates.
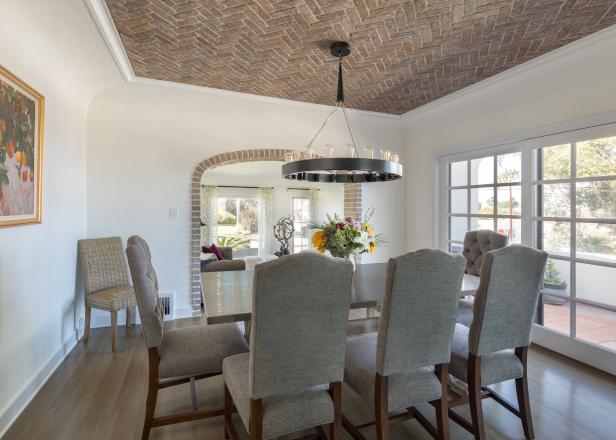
(477, 244)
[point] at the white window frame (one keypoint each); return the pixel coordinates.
(307, 247)
(568, 133)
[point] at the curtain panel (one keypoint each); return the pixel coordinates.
(209, 215)
(266, 222)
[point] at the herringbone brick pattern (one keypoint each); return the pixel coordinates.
(404, 53)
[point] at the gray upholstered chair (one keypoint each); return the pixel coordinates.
(180, 355)
(105, 281)
(476, 245)
(292, 378)
(405, 364)
(494, 349)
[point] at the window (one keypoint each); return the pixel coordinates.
(557, 196)
(485, 193)
(301, 219)
(575, 223)
(238, 224)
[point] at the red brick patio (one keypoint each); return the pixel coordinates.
(593, 324)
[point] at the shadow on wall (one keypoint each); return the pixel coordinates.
(73, 311)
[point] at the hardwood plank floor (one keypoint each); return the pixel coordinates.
(96, 394)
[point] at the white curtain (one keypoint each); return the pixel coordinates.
(314, 205)
(266, 222)
(209, 215)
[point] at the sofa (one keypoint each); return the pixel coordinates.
(228, 264)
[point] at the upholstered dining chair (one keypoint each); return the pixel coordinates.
(106, 282)
(495, 347)
(476, 245)
(292, 378)
(180, 355)
(406, 362)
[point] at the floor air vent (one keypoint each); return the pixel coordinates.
(168, 300)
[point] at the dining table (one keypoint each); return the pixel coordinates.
(227, 296)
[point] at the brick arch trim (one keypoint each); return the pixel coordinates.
(352, 205)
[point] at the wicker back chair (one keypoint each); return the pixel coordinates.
(106, 281)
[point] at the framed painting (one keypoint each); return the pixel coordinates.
(21, 151)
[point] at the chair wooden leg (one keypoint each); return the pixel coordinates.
(129, 316)
(256, 419)
(86, 329)
(442, 419)
(381, 408)
(335, 428)
(228, 411)
(521, 386)
(114, 331)
(150, 404)
(474, 395)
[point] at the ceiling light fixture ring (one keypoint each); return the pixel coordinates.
(352, 169)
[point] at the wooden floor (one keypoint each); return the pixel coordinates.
(95, 394)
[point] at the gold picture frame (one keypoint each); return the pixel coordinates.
(22, 117)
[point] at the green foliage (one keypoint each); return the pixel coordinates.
(249, 220)
(226, 218)
(552, 275)
(17, 123)
(343, 237)
(596, 157)
(235, 242)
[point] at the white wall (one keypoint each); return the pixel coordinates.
(575, 82)
(144, 142)
(54, 47)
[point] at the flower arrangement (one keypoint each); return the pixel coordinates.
(344, 237)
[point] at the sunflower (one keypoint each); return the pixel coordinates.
(318, 241)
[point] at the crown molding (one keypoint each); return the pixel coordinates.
(248, 96)
(609, 32)
(102, 17)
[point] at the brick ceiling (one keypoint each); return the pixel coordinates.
(404, 53)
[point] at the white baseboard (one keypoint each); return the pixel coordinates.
(584, 352)
(103, 319)
(11, 411)
(17, 404)
(182, 312)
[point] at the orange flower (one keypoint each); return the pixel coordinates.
(31, 175)
(10, 148)
(372, 247)
(24, 159)
(318, 241)
(18, 157)
(24, 175)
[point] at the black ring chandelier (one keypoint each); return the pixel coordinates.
(306, 166)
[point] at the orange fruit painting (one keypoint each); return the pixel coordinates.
(18, 137)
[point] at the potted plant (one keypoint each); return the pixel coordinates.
(554, 283)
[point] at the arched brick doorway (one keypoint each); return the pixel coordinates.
(352, 205)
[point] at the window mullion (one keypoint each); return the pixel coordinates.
(468, 195)
(572, 243)
(527, 197)
(495, 194)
